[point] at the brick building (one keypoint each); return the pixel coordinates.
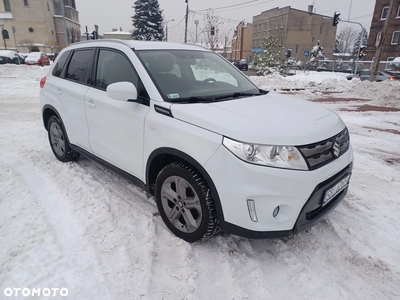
(391, 47)
(295, 29)
(36, 25)
(242, 41)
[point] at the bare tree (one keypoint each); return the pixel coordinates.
(211, 30)
(346, 39)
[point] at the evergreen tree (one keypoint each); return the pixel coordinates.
(338, 45)
(357, 43)
(316, 55)
(147, 21)
(272, 60)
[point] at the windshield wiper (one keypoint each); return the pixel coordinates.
(237, 95)
(193, 100)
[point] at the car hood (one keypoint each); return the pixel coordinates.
(268, 119)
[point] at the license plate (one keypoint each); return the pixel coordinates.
(336, 189)
(31, 63)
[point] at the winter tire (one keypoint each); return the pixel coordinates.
(185, 203)
(58, 141)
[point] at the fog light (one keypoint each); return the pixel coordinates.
(275, 212)
(251, 206)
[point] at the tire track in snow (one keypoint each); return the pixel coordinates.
(68, 236)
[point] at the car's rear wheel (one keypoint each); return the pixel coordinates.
(185, 203)
(58, 141)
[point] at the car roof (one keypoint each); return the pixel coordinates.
(139, 45)
(7, 52)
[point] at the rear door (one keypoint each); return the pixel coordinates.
(116, 128)
(71, 91)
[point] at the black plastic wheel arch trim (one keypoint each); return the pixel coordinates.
(199, 168)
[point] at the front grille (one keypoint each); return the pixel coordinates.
(322, 153)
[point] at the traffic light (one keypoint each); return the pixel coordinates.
(289, 53)
(336, 18)
(362, 53)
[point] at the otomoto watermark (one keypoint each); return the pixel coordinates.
(39, 292)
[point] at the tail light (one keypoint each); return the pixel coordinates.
(392, 78)
(42, 82)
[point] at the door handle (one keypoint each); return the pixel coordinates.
(59, 92)
(90, 103)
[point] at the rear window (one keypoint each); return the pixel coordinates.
(60, 64)
(79, 66)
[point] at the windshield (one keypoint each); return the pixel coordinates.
(188, 74)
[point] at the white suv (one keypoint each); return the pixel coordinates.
(185, 125)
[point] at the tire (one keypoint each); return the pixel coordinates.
(197, 223)
(58, 141)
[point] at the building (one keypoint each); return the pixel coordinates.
(242, 41)
(37, 25)
(391, 47)
(295, 29)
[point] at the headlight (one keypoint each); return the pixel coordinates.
(285, 157)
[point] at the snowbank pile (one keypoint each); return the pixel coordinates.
(23, 71)
(382, 93)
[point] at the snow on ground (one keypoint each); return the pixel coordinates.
(382, 93)
(80, 226)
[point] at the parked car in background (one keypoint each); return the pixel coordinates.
(241, 64)
(10, 57)
(37, 59)
(380, 76)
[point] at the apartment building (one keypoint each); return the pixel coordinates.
(36, 25)
(242, 41)
(295, 29)
(391, 46)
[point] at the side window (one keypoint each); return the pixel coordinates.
(57, 70)
(114, 67)
(79, 66)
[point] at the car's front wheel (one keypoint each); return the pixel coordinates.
(58, 141)
(185, 203)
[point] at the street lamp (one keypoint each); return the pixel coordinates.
(166, 29)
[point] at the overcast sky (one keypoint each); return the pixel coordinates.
(110, 14)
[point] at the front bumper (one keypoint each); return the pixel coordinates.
(298, 194)
(311, 213)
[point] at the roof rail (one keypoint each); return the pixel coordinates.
(122, 42)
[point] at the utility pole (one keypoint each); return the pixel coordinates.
(242, 39)
(196, 22)
(381, 44)
(351, 4)
(186, 19)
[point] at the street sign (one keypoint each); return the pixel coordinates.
(5, 34)
(306, 53)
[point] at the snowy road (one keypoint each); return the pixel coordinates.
(80, 226)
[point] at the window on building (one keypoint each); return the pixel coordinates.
(378, 38)
(255, 28)
(7, 6)
(79, 67)
(280, 41)
(282, 23)
(259, 28)
(398, 12)
(384, 12)
(395, 38)
(25, 2)
(276, 25)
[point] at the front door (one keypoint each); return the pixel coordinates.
(116, 128)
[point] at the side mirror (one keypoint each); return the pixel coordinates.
(123, 91)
